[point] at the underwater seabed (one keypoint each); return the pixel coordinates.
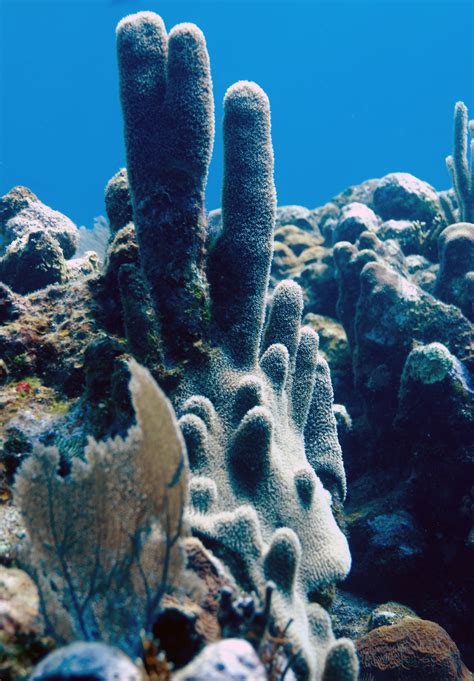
(174, 503)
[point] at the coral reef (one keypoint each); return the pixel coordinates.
(411, 365)
(239, 315)
(405, 303)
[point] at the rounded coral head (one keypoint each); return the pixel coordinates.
(246, 95)
(141, 31)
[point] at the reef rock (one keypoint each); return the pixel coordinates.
(297, 215)
(355, 219)
(408, 233)
(401, 196)
(22, 644)
(32, 262)
(10, 304)
(388, 614)
(455, 281)
(21, 212)
(19, 601)
(91, 661)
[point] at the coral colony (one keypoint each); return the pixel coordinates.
(172, 474)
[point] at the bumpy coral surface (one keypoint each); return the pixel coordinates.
(255, 404)
(413, 649)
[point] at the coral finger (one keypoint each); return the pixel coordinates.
(322, 446)
(250, 451)
(189, 105)
(195, 436)
(275, 363)
(142, 49)
(239, 265)
(304, 376)
(201, 406)
(249, 394)
(285, 317)
(282, 559)
(169, 143)
(341, 662)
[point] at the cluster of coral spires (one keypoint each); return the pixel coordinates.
(256, 408)
(216, 518)
(166, 93)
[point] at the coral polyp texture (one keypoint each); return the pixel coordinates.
(460, 165)
(257, 461)
(167, 102)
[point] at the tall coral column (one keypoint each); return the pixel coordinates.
(168, 109)
(239, 266)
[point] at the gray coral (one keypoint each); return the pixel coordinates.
(460, 165)
(168, 109)
(255, 404)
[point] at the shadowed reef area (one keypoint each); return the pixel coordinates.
(240, 445)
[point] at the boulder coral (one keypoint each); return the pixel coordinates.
(411, 650)
(455, 280)
(255, 402)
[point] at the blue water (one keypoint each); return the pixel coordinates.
(358, 89)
